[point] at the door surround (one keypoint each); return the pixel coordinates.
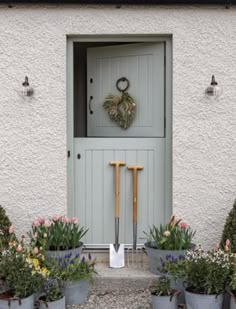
(167, 39)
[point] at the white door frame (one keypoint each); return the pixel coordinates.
(167, 39)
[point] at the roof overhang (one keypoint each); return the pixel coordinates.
(119, 2)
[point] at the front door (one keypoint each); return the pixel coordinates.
(143, 143)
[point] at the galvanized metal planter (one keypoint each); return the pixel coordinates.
(232, 302)
(164, 302)
(17, 303)
(63, 253)
(155, 255)
(76, 293)
(202, 301)
(57, 304)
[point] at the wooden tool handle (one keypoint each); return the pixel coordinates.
(117, 165)
(135, 169)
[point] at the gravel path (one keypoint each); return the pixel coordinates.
(128, 299)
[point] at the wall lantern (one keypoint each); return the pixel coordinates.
(213, 91)
(27, 91)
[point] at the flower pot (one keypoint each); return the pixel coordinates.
(76, 293)
(232, 302)
(179, 286)
(155, 255)
(63, 253)
(57, 304)
(16, 303)
(203, 301)
(164, 302)
(3, 286)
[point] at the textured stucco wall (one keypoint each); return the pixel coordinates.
(33, 161)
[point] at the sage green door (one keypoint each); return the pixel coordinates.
(143, 143)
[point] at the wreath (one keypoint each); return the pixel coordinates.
(121, 109)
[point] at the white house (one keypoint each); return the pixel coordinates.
(56, 145)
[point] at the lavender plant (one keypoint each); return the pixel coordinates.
(74, 268)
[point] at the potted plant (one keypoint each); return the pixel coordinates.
(75, 273)
(163, 296)
(52, 296)
(231, 289)
(21, 277)
(59, 236)
(205, 275)
(173, 238)
(229, 230)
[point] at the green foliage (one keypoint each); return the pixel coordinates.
(51, 290)
(5, 223)
(175, 235)
(58, 233)
(18, 273)
(162, 287)
(229, 231)
(73, 268)
(202, 272)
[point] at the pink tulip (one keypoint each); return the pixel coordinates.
(217, 246)
(48, 223)
(66, 220)
(227, 243)
(36, 223)
(55, 218)
(74, 220)
(11, 229)
(19, 248)
(36, 250)
(183, 225)
(41, 220)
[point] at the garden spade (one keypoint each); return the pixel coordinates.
(117, 255)
(135, 170)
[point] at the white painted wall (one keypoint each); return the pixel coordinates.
(33, 161)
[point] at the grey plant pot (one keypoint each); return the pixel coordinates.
(25, 303)
(57, 304)
(63, 253)
(155, 254)
(3, 286)
(202, 301)
(76, 293)
(232, 302)
(164, 302)
(178, 286)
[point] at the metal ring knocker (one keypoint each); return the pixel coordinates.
(122, 79)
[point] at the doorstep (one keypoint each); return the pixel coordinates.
(134, 275)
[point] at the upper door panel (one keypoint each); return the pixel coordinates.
(143, 65)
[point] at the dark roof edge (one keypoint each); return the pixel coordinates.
(119, 2)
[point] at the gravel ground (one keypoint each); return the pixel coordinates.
(141, 299)
(128, 299)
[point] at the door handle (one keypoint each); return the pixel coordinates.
(90, 105)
